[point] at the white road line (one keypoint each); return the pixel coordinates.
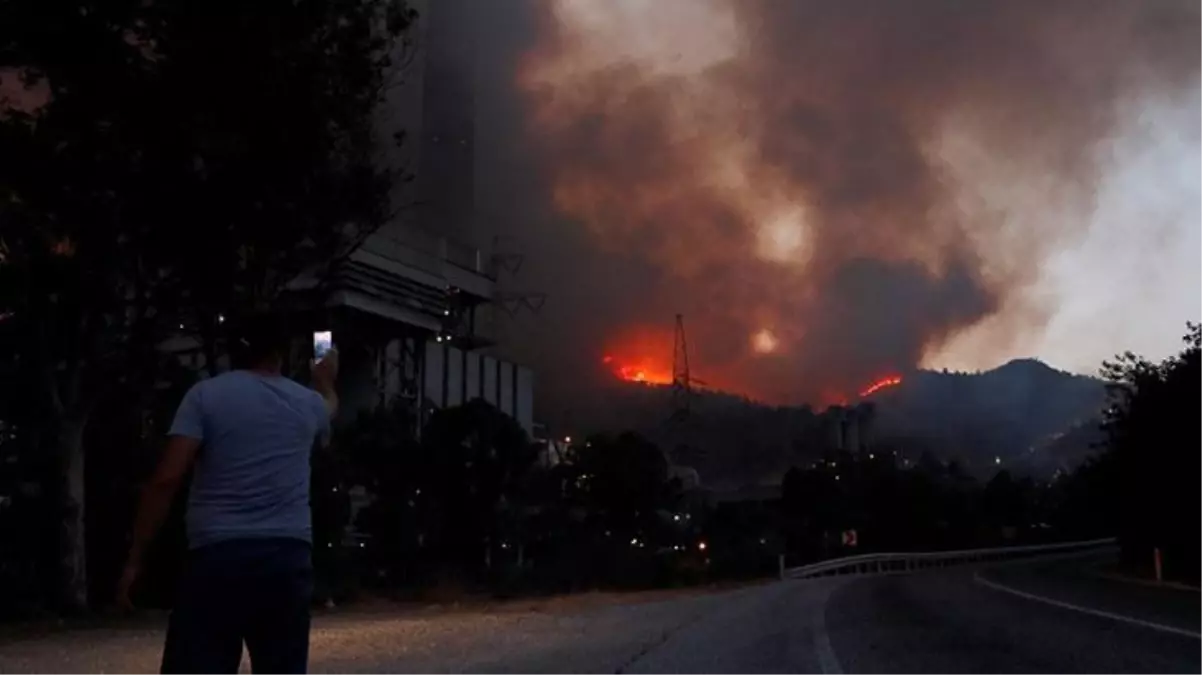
(1084, 610)
(827, 660)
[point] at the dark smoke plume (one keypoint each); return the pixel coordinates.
(855, 179)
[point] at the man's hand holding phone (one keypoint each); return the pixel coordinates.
(324, 369)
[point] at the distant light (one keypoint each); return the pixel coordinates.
(634, 542)
(701, 546)
(181, 326)
(837, 477)
(871, 456)
(997, 460)
(763, 541)
(676, 517)
(567, 439)
(418, 492)
(362, 545)
(220, 318)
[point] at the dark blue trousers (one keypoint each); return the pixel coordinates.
(256, 591)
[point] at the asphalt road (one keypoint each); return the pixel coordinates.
(975, 621)
(1046, 616)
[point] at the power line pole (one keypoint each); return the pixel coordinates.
(681, 378)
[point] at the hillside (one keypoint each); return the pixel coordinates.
(1033, 418)
(1016, 413)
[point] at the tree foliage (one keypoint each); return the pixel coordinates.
(1156, 445)
(184, 160)
(162, 165)
(476, 457)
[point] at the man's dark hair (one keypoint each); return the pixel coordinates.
(258, 338)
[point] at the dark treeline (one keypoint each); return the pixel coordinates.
(475, 504)
(472, 505)
(1147, 484)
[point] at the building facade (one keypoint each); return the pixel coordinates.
(411, 309)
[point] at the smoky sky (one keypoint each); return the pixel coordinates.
(844, 175)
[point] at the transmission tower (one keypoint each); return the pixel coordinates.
(681, 379)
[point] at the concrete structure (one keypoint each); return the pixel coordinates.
(849, 428)
(411, 308)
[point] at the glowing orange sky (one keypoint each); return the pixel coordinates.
(639, 369)
(640, 355)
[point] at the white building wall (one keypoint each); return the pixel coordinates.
(453, 377)
(474, 385)
(505, 402)
(432, 391)
(490, 380)
(525, 399)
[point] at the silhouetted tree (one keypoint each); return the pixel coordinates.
(164, 164)
(1152, 428)
(476, 458)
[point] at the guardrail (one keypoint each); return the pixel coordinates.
(881, 563)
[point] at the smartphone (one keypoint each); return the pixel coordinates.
(323, 340)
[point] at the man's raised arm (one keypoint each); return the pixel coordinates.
(324, 374)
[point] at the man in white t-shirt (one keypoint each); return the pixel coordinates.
(249, 433)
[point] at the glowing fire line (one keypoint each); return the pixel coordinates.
(881, 384)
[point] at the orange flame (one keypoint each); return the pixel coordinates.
(642, 370)
(641, 354)
(883, 383)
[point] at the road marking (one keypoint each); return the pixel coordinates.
(827, 660)
(1084, 610)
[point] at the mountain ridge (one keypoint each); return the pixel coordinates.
(1004, 416)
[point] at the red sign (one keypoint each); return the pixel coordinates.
(849, 538)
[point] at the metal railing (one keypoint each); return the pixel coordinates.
(439, 248)
(882, 563)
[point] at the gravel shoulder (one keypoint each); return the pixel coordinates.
(590, 632)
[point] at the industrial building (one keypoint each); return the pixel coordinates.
(412, 309)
